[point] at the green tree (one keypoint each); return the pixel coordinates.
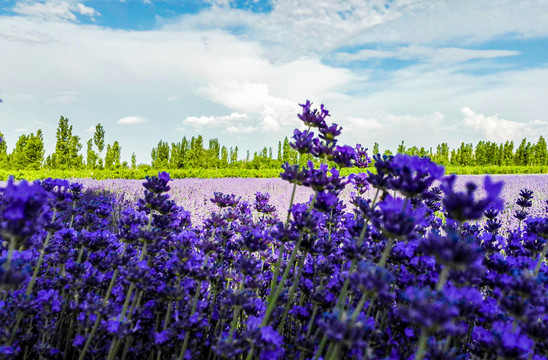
(523, 153)
(116, 154)
(67, 147)
(28, 152)
(196, 153)
(234, 156)
(109, 158)
(91, 155)
(213, 154)
(287, 152)
(376, 149)
(442, 154)
(17, 158)
(540, 152)
(224, 157)
(99, 138)
(508, 153)
(34, 151)
(3, 152)
(480, 154)
(401, 148)
(133, 161)
(160, 155)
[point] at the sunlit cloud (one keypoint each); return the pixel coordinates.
(128, 120)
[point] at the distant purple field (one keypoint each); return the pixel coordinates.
(194, 194)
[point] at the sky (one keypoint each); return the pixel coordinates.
(419, 71)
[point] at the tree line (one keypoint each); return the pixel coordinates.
(192, 153)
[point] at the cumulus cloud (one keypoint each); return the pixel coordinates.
(91, 129)
(293, 29)
(53, 9)
(240, 129)
(128, 120)
(86, 10)
(216, 121)
(494, 128)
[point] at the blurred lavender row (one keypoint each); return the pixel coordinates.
(194, 194)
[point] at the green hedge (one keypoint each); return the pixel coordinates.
(138, 174)
(235, 173)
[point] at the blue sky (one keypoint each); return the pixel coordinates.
(422, 71)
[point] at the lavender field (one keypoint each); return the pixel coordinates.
(194, 194)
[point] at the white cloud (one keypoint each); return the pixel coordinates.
(131, 120)
(430, 54)
(172, 98)
(47, 10)
(240, 129)
(91, 130)
(53, 9)
(21, 130)
(296, 28)
(86, 10)
(216, 121)
(499, 130)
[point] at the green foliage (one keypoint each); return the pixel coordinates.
(99, 138)
(3, 152)
(67, 148)
(28, 152)
(91, 156)
(112, 157)
(138, 173)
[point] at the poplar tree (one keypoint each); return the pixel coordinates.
(3, 152)
(91, 155)
(67, 147)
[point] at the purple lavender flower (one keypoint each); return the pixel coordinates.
(414, 175)
(462, 206)
(303, 141)
(399, 219)
(344, 156)
(330, 133)
(24, 210)
(362, 159)
(429, 310)
(224, 200)
(452, 249)
(313, 118)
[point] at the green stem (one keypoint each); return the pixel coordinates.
(274, 279)
(541, 257)
(279, 288)
(443, 277)
(423, 340)
(88, 341)
(386, 252)
(187, 335)
(320, 347)
(359, 308)
(11, 249)
(292, 292)
(38, 265)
